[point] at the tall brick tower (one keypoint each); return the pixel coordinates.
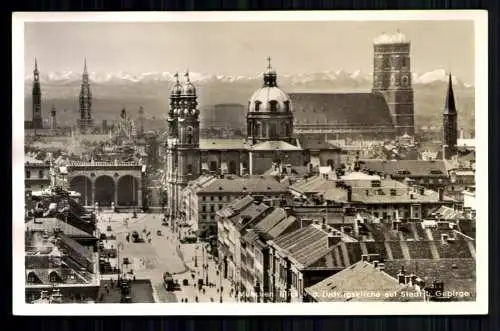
(450, 125)
(392, 78)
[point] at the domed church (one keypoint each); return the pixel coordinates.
(269, 144)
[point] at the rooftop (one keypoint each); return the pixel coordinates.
(275, 145)
(406, 168)
(304, 245)
(53, 224)
(360, 282)
(249, 215)
(341, 110)
(313, 143)
(235, 184)
(209, 144)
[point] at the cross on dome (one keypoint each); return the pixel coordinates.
(269, 62)
(187, 75)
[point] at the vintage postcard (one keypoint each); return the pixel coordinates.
(292, 162)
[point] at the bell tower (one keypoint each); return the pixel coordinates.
(36, 95)
(392, 79)
(183, 154)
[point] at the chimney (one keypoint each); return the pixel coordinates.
(381, 266)
(349, 193)
(375, 263)
(413, 278)
(421, 191)
(401, 276)
(441, 194)
(364, 257)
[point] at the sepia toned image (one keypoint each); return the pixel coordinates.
(199, 161)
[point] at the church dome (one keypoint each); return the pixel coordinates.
(188, 88)
(177, 88)
(269, 98)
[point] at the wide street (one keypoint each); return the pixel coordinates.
(149, 260)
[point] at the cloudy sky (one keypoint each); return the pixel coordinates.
(242, 48)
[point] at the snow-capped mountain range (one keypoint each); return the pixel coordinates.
(338, 76)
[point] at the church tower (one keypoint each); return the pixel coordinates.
(450, 125)
(183, 142)
(36, 95)
(392, 79)
(85, 122)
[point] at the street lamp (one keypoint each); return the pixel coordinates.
(195, 256)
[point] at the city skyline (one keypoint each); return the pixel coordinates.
(112, 47)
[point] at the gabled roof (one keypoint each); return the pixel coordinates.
(274, 145)
(235, 206)
(247, 216)
(342, 109)
(362, 277)
(268, 222)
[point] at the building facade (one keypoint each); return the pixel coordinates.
(107, 183)
(36, 175)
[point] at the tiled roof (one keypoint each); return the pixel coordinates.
(447, 213)
(244, 185)
(236, 206)
(282, 227)
(305, 245)
(50, 223)
(457, 274)
(274, 145)
(311, 143)
(208, 144)
(249, 215)
(407, 168)
(361, 278)
(341, 109)
(268, 222)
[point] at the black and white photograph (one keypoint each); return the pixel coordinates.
(198, 162)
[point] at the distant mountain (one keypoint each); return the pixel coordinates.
(339, 76)
(112, 92)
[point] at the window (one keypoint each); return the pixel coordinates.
(287, 105)
(258, 129)
(273, 105)
(40, 173)
(405, 62)
(203, 198)
(203, 209)
(257, 105)
(220, 206)
(273, 132)
(190, 168)
(212, 208)
(212, 198)
(220, 197)
(213, 166)
(32, 277)
(53, 277)
(28, 174)
(189, 135)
